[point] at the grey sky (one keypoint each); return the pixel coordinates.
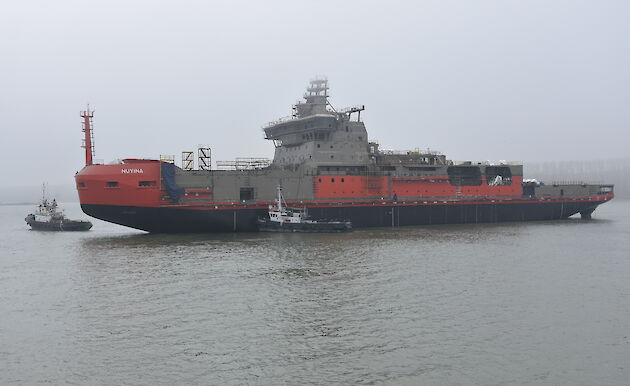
(480, 80)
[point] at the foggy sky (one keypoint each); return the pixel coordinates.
(477, 80)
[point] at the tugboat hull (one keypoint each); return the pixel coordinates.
(313, 227)
(57, 226)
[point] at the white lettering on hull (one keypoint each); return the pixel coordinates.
(130, 171)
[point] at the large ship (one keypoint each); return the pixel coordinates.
(325, 163)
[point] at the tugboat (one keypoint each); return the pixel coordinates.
(48, 217)
(283, 219)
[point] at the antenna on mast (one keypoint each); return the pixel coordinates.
(88, 129)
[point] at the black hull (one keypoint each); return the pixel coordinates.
(73, 226)
(318, 227)
(172, 220)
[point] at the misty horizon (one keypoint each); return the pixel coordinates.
(495, 81)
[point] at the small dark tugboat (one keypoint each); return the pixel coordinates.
(283, 219)
(48, 217)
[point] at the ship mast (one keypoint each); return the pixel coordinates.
(279, 198)
(89, 133)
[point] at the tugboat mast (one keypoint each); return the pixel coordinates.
(88, 130)
(279, 189)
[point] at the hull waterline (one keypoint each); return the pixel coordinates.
(173, 220)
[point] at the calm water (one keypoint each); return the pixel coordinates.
(532, 303)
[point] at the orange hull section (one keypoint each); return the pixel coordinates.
(342, 186)
(130, 184)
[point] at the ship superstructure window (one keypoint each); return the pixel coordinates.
(81, 185)
(247, 194)
(498, 175)
(464, 175)
(146, 183)
(111, 184)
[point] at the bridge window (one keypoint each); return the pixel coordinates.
(111, 184)
(146, 183)
(332, 180)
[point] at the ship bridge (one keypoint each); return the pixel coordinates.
(317, 134)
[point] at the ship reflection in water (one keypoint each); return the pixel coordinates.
(517, 303)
